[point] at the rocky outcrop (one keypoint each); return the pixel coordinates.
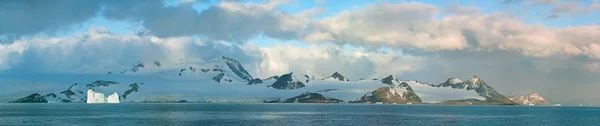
(401, 94)
(530, 99)
(308, 97)
(287, 82)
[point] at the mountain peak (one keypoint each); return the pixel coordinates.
(389, 80)
(337, 76)
(454, 80)
(530, 99)
(535, 95)
(474, 80)
(237, 68)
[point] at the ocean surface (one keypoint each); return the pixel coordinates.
(127, 114)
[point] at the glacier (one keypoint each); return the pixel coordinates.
(432, 94)
(96, 97)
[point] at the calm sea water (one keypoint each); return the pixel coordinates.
(291, 114)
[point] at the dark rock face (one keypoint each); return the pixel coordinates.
(287, 82)
(308, 98)
(471, 102)
(484, 90)
(338, 76)
(182, 101)
(132, 88)
(101, 83)
(327, 90)
(237, 68)
(401, 94)
(255, 81)
(221, 78)
(137, 67)
(33, 98)
(389, 80)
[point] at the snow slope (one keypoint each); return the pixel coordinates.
(432, 94)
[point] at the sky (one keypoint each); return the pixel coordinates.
(551, 47)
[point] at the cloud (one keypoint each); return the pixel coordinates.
(571, 8)
(396, 26)
(533, 2)
(97, 52)
(391, 25)
(27, 18)
(325, 60)
(227, 20)
(455, 8)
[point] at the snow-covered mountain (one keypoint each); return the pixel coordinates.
(396, 94)
(390, 80)
(308, 97)
(75, 93)
(287, 81)
(226, 78)
(455, 89)
(529, 99)
(337, 77)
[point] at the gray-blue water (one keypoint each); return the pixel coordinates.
(291, 114)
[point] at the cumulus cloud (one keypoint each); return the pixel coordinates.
(391, 25)
(26, 18)
(98, 51)
(227, 20)
(571, 8)
(396, 26)
(536, 2)
(325, 60)
(455, 8)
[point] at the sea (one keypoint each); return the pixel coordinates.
(258, 114)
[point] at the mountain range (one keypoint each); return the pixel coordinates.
(226, 78)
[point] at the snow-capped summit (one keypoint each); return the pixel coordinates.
(390, 80)
(237, 68)
(336, 76)
(287, 82)
(454, 83)
(401, 94)
(530, 99)
(454, 80)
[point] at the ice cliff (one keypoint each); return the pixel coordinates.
(95, 97)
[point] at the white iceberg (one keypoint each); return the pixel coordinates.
(95, 97)
(114, 98)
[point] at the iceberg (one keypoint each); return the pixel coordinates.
(96, 97)
(114, 98)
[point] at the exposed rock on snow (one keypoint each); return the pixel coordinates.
(336, 76)
(530, 99)
(308, 97)
(401, 94)
(287, 81)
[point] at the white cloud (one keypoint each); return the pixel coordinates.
(396, 26)
(325, 60)
(227, 20)
(98, 51)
